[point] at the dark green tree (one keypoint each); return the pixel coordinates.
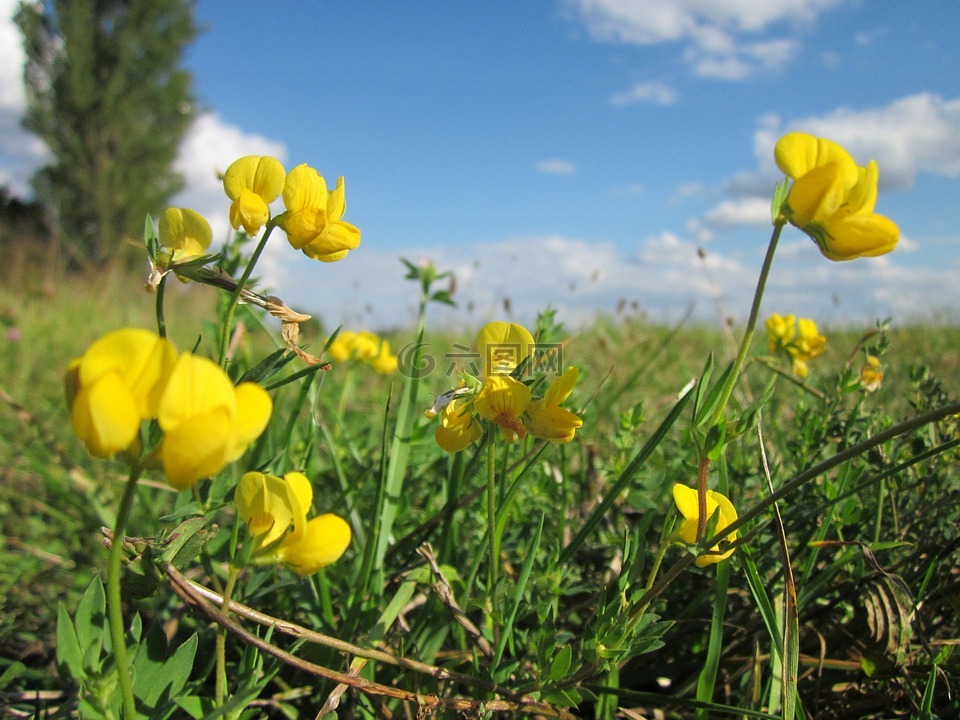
(106, 93)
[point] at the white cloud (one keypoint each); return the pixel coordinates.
(555, 166)
(721, 35)
(656, 93)
(751, 211)
(917, 133)
(21, 152)
(665, 276)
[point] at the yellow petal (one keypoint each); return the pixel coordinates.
(261, 175)
(502, 346)
(324, 540)
(502, 396)
(104, 416)
(551, 422)
(185, 230)
(816, 195)
(196, 448)
(142, 359)
(305, 188)
(263, 501)
(253, 410)
(336, 202)
(860, 235)
(458, 428)
(797, 154)
(196, 386)
(249, 211)
(561, 388)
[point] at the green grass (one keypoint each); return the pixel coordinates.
(872, 541)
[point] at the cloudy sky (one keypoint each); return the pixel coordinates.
(585, 154)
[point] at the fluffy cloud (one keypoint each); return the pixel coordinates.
(556, 166)
(655, 93)
(721, 36)
(664, 276)
(917, 133)
(22, 151)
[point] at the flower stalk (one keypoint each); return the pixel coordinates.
(114, 600)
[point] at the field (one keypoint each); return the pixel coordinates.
(841, 599)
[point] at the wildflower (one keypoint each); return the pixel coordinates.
(271, 506)
(546, 419)
(116, 385)
(313, 221)
(503, 346)
(872, 374)
(458, 427)
(688, 504)
(502, 400)
(207, 422)
(252, 183)
(832, 198)
(780, 330)
(323, 541)
(185, 233)
(808, 344)
(275, 511)
(364, 346)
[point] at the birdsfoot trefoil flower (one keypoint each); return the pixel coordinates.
(718, 506)
(832, 198)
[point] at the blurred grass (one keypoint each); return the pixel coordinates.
(53, 498)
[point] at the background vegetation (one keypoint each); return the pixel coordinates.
(874, 542)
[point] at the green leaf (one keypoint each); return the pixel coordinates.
(89, 621)
(712, 399)
(560, 665)
(268, 367)
(69, 655)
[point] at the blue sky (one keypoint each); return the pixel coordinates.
(578, 152)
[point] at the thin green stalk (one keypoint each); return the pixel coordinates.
(221, 646)
(161, 291)
(235, 295)
(492, 522)
(751, 326)
(114, 601)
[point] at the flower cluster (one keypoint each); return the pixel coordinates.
(501, 398)
(275, 510)
(365, 346)
(717, 506)
(132, 375)
(800, 339)
(872, 373)
(832, 198)
(313, 220)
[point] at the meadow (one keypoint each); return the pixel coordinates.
(214, 506)
(873, 542)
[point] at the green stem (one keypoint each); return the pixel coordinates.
(221, 648)
(235, 295)
(114, 601)
(751, 326)
(492, 522)
(161, 323)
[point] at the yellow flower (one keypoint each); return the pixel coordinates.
(832, 198)
(780, 330)
(313, 221)
(323, 541)
(184, 232)
(207, 422)
(872, 374)
(502, 400)
(271, 506)
(458, 427)
(808, 344)
(503, 346)
(385, 362)
(546, 419)
(252, 183)
(687, 503)
(116, 385)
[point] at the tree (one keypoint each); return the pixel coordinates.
(107, 95)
